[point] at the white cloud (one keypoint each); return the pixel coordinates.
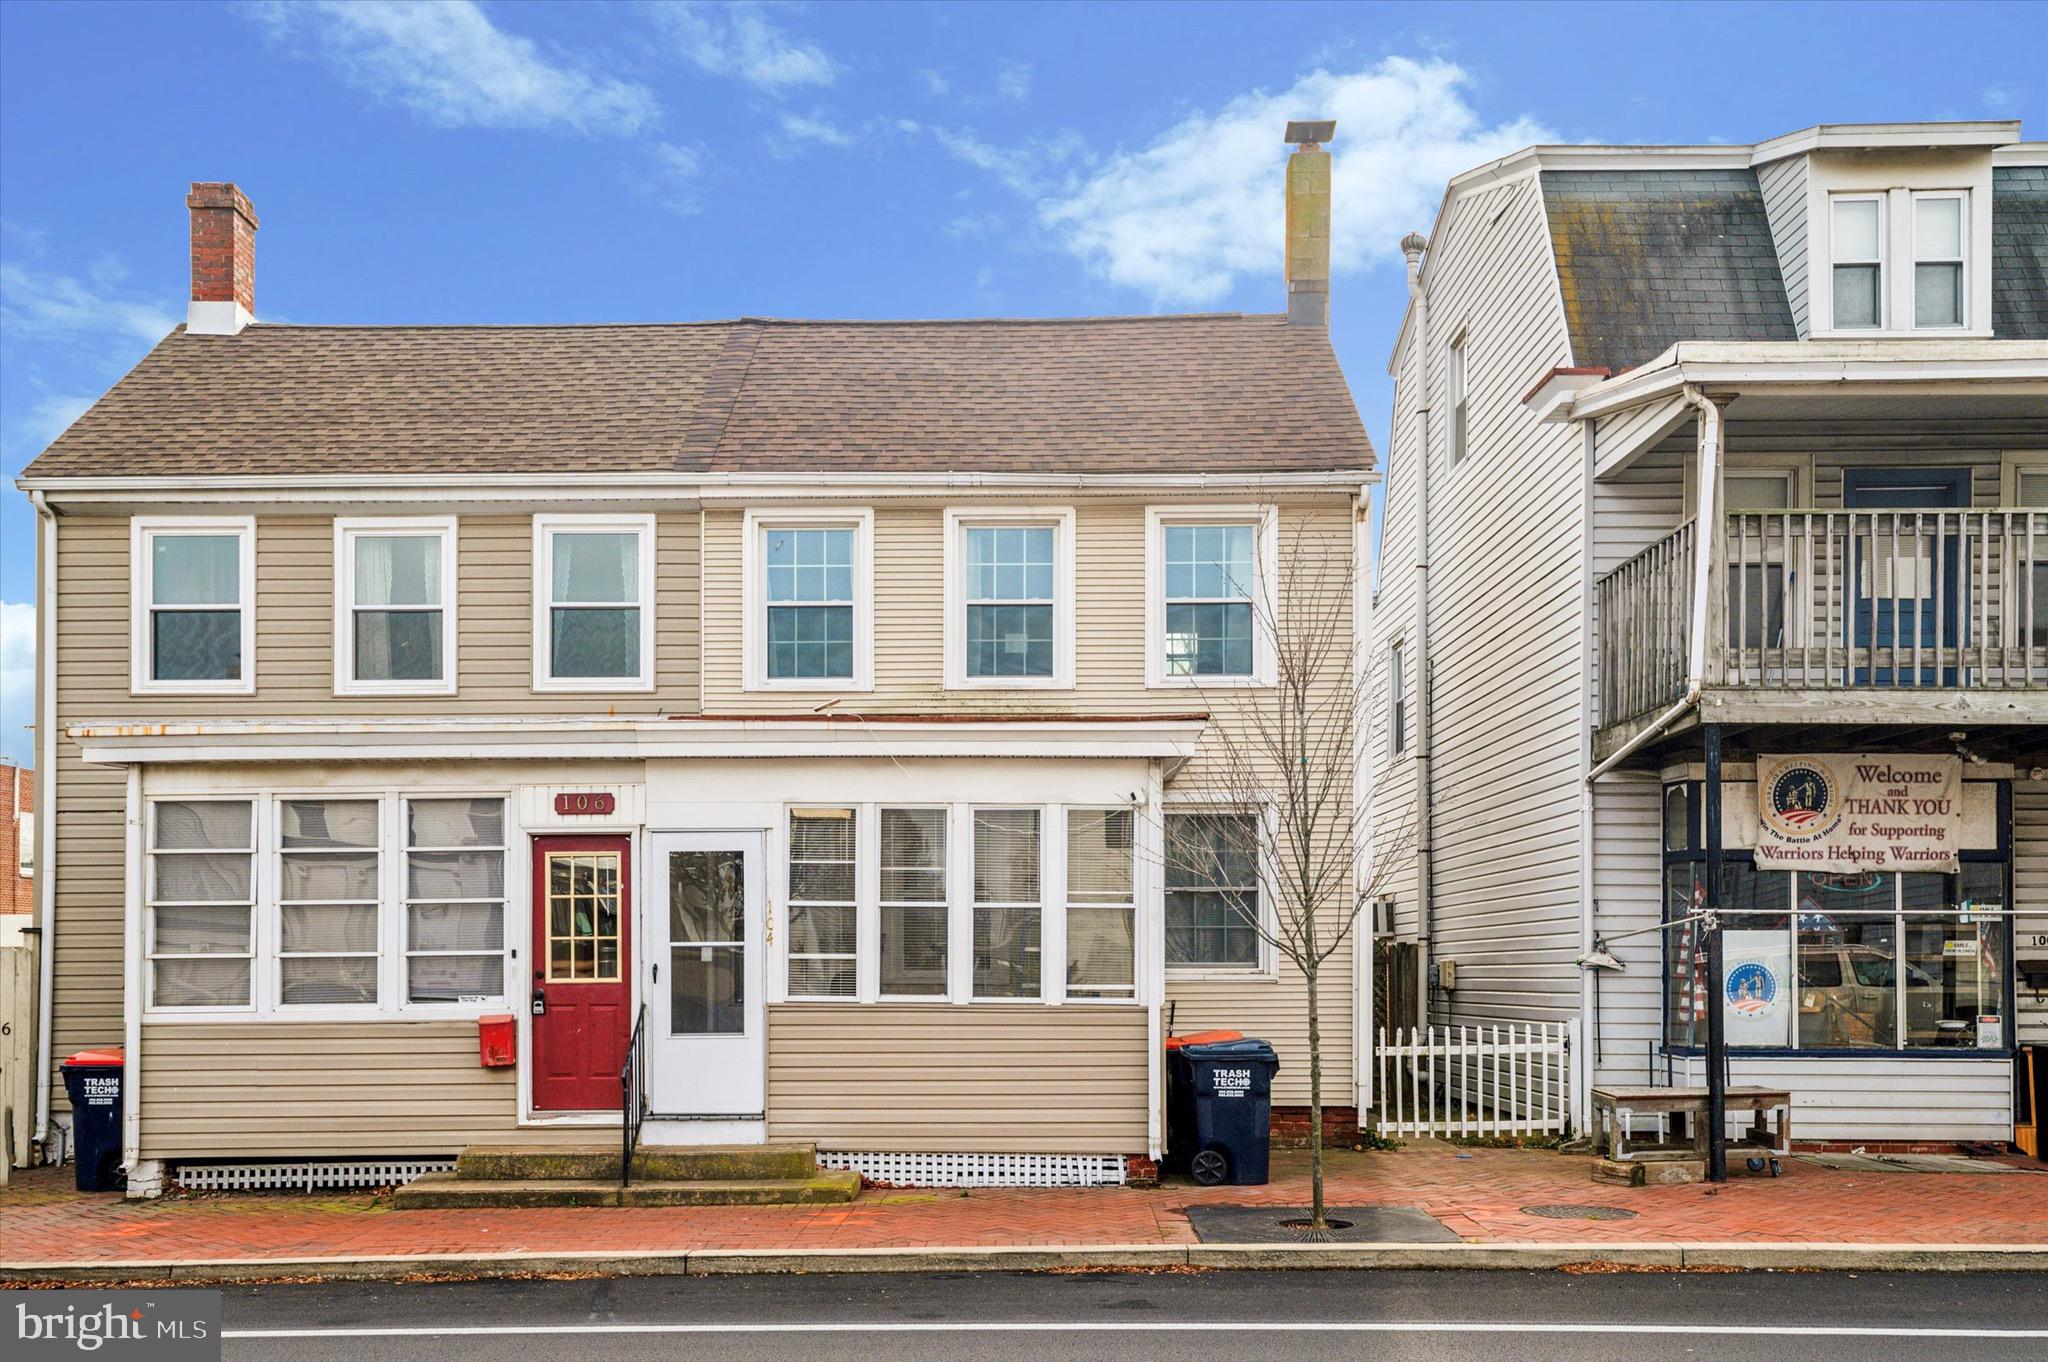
(674, 177)
(48, 306)
(447, 62)
(1182, 219)
(1013, 79)
(935, 83)
(740, 40)
(816, 128)
(17, 678)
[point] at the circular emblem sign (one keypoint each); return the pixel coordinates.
(1801, 802)
(1752, 988)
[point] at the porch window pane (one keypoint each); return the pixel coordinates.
(331, 980)
(455, 899)
(914, 913)
(197, 982)
(201, 902)
(329, 887)
(1100, 951)
(202, 929)
(219, 824)
(1006, 914)
(1685, 973)
(1099, 860)
(1212, 890)
(822, 880)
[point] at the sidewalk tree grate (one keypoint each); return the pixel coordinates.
(1580, 1212)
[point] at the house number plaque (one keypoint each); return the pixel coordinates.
(595, 802)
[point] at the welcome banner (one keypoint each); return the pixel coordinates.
(1846, 812)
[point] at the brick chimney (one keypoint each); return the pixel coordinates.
(223, 260)
(1308, 222)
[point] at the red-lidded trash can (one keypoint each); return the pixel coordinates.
(93, 1079)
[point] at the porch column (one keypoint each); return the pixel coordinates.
(1717, 1041)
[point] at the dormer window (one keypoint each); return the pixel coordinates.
(1938, 237)
(1858, 244)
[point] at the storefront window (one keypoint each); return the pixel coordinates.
(1847, 984)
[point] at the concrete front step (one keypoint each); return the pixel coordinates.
(443, 1191)
(600, 1163)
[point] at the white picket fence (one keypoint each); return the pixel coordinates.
(1514, 1079)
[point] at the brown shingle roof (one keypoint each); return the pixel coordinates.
(1212, 393)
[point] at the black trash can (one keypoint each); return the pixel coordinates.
(93, 1079)
(1219, 1110)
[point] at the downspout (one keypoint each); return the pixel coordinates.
(1361, 806)
(1707, 499)
(1412, 247)
(46, 799)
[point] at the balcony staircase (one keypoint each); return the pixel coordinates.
(588, 1175)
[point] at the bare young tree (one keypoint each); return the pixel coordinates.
(1269, 828)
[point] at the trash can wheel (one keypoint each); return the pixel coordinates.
(1210, 1167)
(1755, 1165)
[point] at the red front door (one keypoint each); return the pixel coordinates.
(583, 971)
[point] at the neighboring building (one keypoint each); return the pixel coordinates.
(824, 687)
(1846, 329)
(17, 838)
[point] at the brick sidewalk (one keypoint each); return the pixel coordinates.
(1479, 1194)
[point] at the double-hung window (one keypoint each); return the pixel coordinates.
(807, 591)
(1101, 903)
(193, 605)
(1009, 610)
(394, 614)
(454, 900)
(1397, 699)
(914, 899)
(593, 625)
(1209, 600)
(1007, 907)
(1455, 396)
(823, 899)
(202, 898)
(1213, 898)
(329, 887)
(1856, 243)
(1940, 227)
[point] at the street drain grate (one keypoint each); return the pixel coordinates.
(1579, 1212)
(1288, 1225)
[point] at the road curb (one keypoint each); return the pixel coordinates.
(1039, 1258)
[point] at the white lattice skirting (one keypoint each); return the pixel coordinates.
(981, 1170)
(304, 1175)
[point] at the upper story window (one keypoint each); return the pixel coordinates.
(394, 612)
(1455, 396)
(1939, 231)
(1857, 237)
(808, 587)
(1010, 599)
(593, 618)
(1397, 699)
(193, 608)
(1207, 607)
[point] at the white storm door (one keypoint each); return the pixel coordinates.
(705, 1026)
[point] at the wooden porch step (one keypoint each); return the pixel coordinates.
(443, 1191)
(661, 1163)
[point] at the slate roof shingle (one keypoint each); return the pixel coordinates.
(2019, 252)
(1214, 393)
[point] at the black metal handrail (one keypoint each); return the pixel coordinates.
(632, 1096)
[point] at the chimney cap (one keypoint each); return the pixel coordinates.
(1307, 131)
(1414, 244)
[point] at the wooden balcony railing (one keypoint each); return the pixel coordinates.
(1890, 599)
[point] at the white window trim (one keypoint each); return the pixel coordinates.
(1048, 864)
(140, 530)
(1882, 261)
(346, 532)
(545, 527)
(266, 973)
(1962, 198)
(2013, 463)
(1267, 970)
(1265, 521)
(754, 596)
(1458, 397)
(958, 522)
(871, 937)
(861, 862)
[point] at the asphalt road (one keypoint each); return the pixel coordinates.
(1172, 1317)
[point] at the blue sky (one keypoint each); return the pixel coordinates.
(607, 161)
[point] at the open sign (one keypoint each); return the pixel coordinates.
(593, 802)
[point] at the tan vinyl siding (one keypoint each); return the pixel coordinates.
(979, 1079)
(294, 677)
(312, 1089)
